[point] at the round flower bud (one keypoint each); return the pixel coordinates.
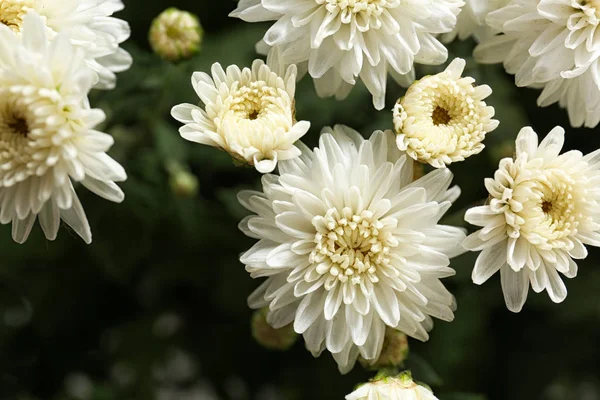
(394, 351)
(184, 184)
(272, 338)
(175, 34)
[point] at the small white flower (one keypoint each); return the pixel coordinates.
(471, 20)
(350, 244)
(47, 136)
(443, 118)
(543, 210)
(175, 34)
(544, 41)
(249, 113)
(401, 387)
(89, 25)
(341, 40)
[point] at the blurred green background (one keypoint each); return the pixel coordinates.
(155, 307)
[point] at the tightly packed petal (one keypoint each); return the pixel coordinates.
(401, 387)
(443, 118)
(543, 210)
(549, 44)
(89, 25)
(47, 136)
(249, 113)
(349, 244)
(340, 41)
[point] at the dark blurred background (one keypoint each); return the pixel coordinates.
(155, 307)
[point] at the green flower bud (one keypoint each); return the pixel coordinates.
(269, 337)
(394, 351)
(175, 34)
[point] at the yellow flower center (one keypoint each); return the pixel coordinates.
(365, 13)
(13, 11)
(350, 246)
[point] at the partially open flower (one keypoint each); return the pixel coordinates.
(249, 113)
(443, 118)
(175, 34)
(543, 210)
(401, 387)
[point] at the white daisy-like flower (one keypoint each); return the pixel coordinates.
(543, 210)
(471, 20)
(401, 387)
(342, 40)
(443, 118)
(47, 138)
(249, 113)
(350, 244)
(542, 41)
(89, 24)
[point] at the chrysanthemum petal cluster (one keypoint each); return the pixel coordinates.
(547, 43)
(47, 136)
(342, 40)
(543, 210)
(247, 112)
(89, 25)
(349, 244)
(401, 387)
(443, 118)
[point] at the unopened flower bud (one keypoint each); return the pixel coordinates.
(393, 352)
(269, 337)
(175, 34)
(184, 184)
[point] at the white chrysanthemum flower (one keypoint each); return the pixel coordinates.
(443, 118)
(350, 245)
(249, 113)
(543, 210)
(342, 40)
(471, 20)
(47, 138)
(89, 24)
(401, 387)
(542, 41)
(175, 34)
(579, 96)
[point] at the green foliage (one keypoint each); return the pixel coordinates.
(67, 308)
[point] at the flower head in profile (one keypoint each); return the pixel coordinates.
(342, 40)
(175, 34)
(47, 136)
(543, 210)
(89, 25)
(443, 118)
(401, 387)
(349, 244)
(249, 113)
(544, 42)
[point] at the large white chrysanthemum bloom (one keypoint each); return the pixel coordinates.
(349, 244)
(89, 24)
(249, 113)
(342, 40)
(443, 118)
(401, 387)
(471, 20)
(47, 136)
(542, 41)
(543, 209)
